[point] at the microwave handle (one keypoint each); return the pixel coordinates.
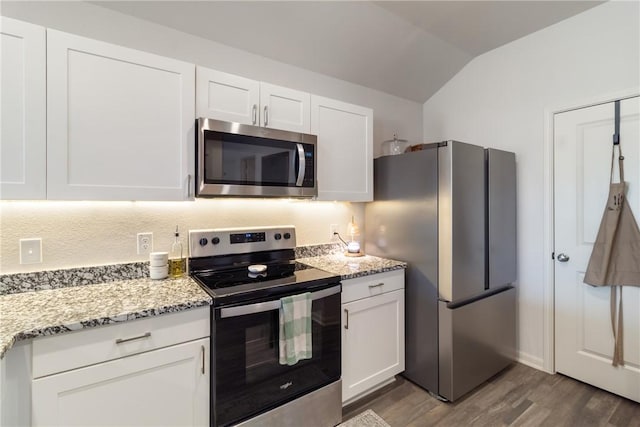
(302, 165)
(272, 305)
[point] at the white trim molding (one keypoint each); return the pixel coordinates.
(531, 361)
(548, 346)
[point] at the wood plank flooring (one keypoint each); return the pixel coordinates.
(518, 396)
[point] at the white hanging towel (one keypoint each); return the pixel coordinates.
(615, 259)
(295, 329)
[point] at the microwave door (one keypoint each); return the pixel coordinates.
(276, 168)
(238, 160)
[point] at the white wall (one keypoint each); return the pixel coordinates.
(85, 233)
(95, 233)
(499, 100)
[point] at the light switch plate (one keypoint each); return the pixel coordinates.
(31, 251)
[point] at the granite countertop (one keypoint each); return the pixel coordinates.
(352, 267)
(55, 302)
(27, 315)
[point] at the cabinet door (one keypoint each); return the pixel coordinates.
(372, 342)
(23, 110)
(167, 387)
(120, 122)
(345, 150)
(284, 108)
(227, 97)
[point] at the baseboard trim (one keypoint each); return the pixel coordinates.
(368, 391)
(531, 361)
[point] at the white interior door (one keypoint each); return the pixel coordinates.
(582, 162)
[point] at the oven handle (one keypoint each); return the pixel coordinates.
(272, 305)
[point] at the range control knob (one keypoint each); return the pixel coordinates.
(215, 240)
(203, 241)
(278, 236)
(287, 236)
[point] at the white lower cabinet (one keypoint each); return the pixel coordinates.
(148, 372)
(372, 332)
(168, 387)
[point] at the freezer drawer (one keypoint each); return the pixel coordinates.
(476, 341)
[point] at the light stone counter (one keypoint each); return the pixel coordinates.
(59, 301)
(352, 267)
(31, 314)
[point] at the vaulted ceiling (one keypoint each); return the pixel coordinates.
(405, 48)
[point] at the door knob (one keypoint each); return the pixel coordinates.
(563, 257)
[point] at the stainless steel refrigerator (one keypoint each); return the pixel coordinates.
(449, 211)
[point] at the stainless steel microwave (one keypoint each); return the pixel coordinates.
(234, 159)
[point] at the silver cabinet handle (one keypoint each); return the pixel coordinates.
(254, 114)
(563, 257)
(302, 165)
(376, 286)
(202, 351)
(189, 186)
(123, 340)
(346, 323)
(266, 116)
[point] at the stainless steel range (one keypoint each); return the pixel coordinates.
(247, 271)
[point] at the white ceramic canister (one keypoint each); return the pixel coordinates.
(158, 259)
(159, 272)
(158, 265)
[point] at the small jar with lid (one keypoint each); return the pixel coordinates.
(394, 146)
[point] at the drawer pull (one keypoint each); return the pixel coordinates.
(346, 323)
(203, 352)
(376, 286)
(120, 340)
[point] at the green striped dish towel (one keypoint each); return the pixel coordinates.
(295, 328)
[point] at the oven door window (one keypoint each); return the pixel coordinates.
(248, 376)
(246, 160)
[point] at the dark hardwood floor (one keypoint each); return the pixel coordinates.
(518, 396)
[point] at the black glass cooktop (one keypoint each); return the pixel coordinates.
(242, 275)
(238, 284)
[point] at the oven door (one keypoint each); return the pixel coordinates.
(248, 378)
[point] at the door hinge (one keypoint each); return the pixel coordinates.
(553, 255)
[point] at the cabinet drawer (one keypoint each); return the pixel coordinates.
(76, 349)
(375, 284)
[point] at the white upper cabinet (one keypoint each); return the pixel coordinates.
(227, 97)
(232, 98)
(283, 108)
(345, 150)
(120, 122)
(23, 110)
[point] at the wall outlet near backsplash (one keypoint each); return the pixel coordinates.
(333, 229)
(31, 251)
(145, 243)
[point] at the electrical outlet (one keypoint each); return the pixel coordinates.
(31, 251)
(333, 228)
(145, 243)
